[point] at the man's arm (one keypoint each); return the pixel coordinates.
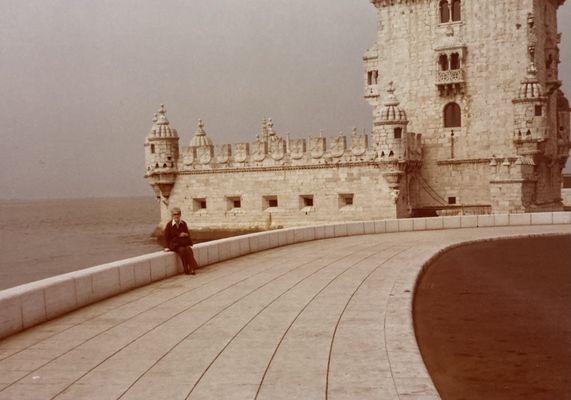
(184, 230)
(167, 234)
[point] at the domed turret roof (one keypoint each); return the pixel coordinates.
(161, 126)
(392, 112)
(530, 87)
(200, 138)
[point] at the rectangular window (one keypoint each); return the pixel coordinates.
(452, 200)
(270, 202)
(306, 201)
(369, 78)
(233, 202)
(398, 133)
(198, 204)
(538, 111)
(345, 199)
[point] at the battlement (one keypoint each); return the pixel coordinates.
(313, 151)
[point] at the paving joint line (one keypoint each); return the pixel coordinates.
(300, 313)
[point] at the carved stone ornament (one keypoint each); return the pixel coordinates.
(188, 156)
(277, 149)
(297, 147)
(259, 150)
(359, 145)
(223, 153)
(317, 147)
(204, 154)
(242, 150)
(338, 146)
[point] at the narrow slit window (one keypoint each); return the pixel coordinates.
(198, 204)
(443, 62)
(456, 11)
(270, 202)
(345, 199)
(454, 61)
(306, 200)
(233, 202)
(444, 11)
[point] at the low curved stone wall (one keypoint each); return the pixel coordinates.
(24, 306)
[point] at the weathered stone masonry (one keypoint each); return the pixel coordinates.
(477, 83)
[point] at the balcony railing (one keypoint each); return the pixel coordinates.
(450, 77)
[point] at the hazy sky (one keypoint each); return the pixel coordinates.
(81, 79)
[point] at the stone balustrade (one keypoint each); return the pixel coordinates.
(27, 305)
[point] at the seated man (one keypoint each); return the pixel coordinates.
(178, 239)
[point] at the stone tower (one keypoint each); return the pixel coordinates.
(161, 156)
(491, 141)
(398, 151)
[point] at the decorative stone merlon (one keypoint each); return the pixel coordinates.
(200, 138)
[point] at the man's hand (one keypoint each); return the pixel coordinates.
(183, 234)
(167, 249)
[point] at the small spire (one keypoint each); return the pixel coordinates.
(162, 117)
(391, 88)
(155, 117)
(321, 133)
(354, 132)
(200, 128)
(531, 70)
(391, 98)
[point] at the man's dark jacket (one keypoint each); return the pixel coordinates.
(172, 235)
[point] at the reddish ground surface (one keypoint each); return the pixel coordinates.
(493, 320)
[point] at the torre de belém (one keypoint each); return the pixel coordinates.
(468, 115)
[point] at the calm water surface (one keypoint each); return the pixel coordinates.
(39, 239)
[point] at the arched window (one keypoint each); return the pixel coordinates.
(452, 116)
(443, 61)
(454, 61)
(444, 12)
(456, 12)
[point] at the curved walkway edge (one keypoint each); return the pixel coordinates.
(325, 319)
(27, 305)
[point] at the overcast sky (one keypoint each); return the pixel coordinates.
(81, 79)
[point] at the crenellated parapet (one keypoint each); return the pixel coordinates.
(273, 151)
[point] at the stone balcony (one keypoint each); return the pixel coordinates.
(450, 81)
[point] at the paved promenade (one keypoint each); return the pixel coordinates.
(327, 319)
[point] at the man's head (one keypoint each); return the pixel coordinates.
(176, 213)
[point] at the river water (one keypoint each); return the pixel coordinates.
(39, 239)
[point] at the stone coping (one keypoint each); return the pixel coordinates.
(402, 347)
(27, 305)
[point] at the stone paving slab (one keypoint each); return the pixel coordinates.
(328, 319)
